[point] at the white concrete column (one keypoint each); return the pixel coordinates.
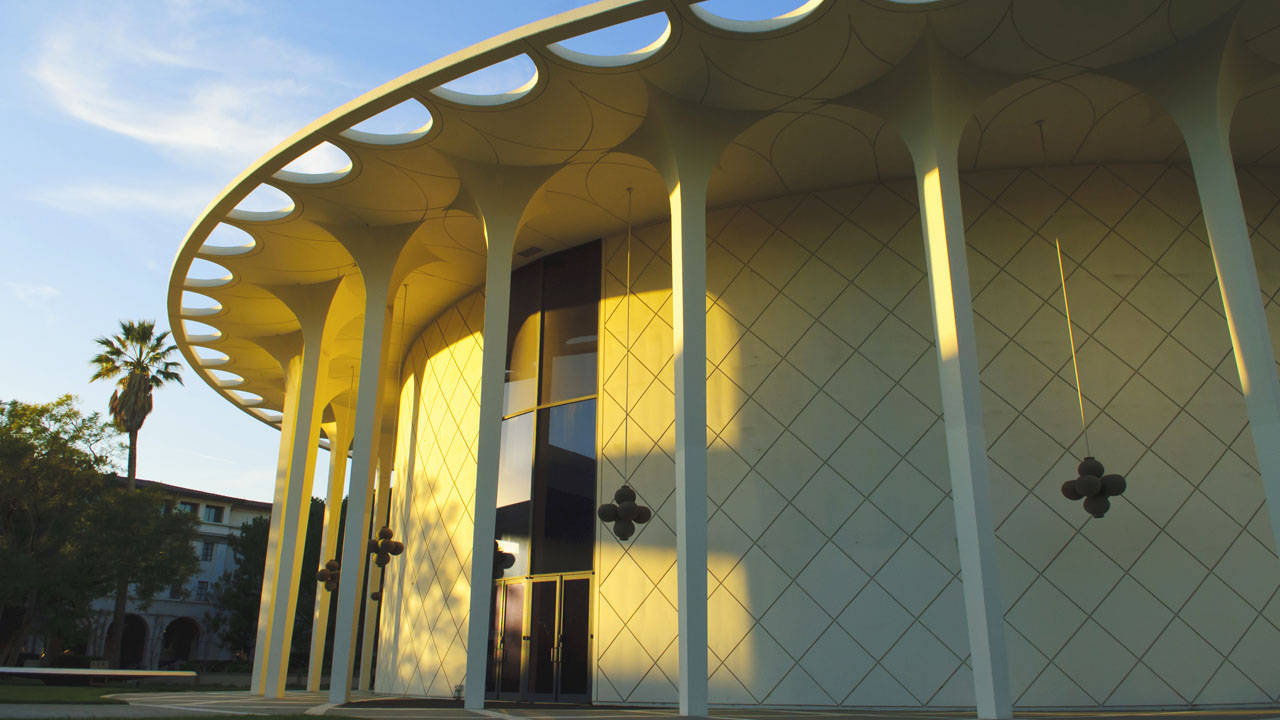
(939, 189)
(1200, 81)
(689, 288)
(929, 97)
(499, 236)
(499, 197)
(293, 379)
(310, 305)
(339, 433)
(376, 251)
(373, 579)
(684, 143)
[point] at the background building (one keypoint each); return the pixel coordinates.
(174, 628)
(795, 282)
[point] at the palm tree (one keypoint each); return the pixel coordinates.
(139, 361)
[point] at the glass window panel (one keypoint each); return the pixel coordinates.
(521, 390)
(542, 638)
(565, 488)
(570, 301)
(515, 471)
(512, 630)
(575, 643)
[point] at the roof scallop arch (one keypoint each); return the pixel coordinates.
(578, 110)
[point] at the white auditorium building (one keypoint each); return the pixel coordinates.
(795, 282)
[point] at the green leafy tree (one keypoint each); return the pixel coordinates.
(51, 463)
(139, 360)
(68, 532)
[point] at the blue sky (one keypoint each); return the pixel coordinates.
(122, 120)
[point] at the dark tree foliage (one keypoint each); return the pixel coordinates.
(238, 593)
(68, 532)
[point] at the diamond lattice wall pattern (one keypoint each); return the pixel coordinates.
(834, 576)
(423, 637)
(833, 566)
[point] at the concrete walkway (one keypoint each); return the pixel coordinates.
(368, 707)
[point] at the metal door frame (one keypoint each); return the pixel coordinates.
(525, 693)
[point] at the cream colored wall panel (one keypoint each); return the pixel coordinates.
(827, 472)
(831, 535)
(423, 633)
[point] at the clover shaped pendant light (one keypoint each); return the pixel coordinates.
(329, 575)
(1095, 487)
(384, 547)
(624, 513)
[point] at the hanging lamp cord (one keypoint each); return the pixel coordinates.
(626, 359)
(1066, 305)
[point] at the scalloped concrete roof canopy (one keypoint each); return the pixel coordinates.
(579, 111)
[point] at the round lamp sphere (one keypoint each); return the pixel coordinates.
(1088, 485)
(624, 529)
(1090, 466)
(1113, 485)
(1097, 505)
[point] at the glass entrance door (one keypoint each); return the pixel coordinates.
(506, 641)
(541, 643)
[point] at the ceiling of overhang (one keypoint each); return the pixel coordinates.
(578, 110)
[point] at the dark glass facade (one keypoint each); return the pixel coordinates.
(547, 475)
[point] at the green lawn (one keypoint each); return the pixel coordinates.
(56, 694)
(13, 691)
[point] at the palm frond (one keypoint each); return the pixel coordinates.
(138, 359)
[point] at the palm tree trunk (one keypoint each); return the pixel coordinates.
(115, 640)
(133, 460)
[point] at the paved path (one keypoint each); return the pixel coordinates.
(368, 707)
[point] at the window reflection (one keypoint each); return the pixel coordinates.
(570, 298)
(547, 465)
(521, 389)
(515, 466)
(564, 488)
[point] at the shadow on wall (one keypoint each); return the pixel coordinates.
(833, 566)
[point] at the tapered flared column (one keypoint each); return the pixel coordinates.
(928, 98)
(499, 236)
(310, 305)
(939, 190)
(1242, 302)
(293, 378)
(689, 315)
(376, 251)
(293, 528)
(684, 143)
(373, 580)
(339, 440)
(1200, 81)
(498, 196)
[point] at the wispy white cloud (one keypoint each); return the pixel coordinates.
(98, 197)
(199, 80)
(32, 294)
